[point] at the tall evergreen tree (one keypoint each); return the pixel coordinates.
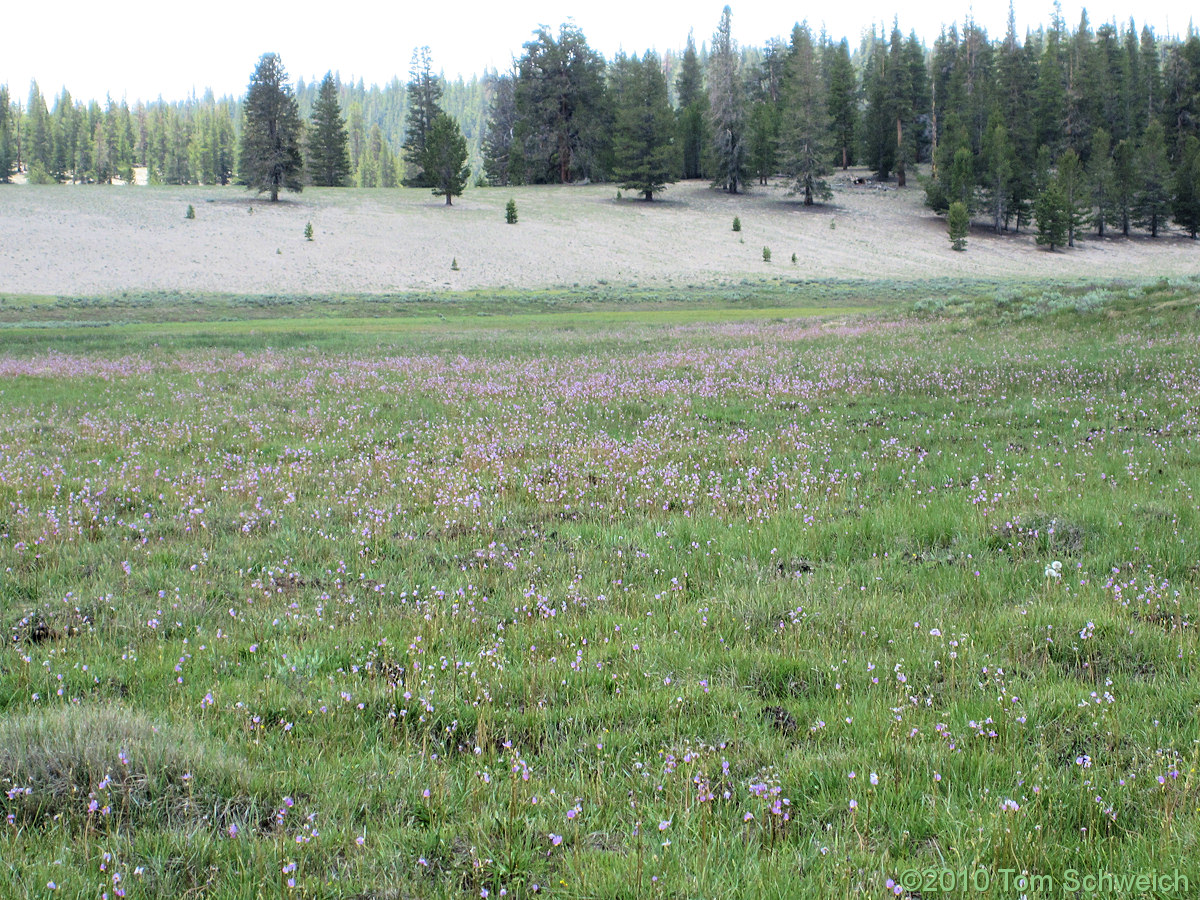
(502, 162)
(692, 115)
(1124, 183)
(1152, 81)
(1101, 180)
(1014, 102)
(762, 135)
(643, 148)
(1152, 198)
(7, 151)
(841, 101)
(40, 130)
(998, 170)
(271, 128)
(424, 95)
(66, 137)
(726, 100)
(328, 145)
(805, 126)
(1181, 89)
(445, 157)
(879, 128)
(561, 105)
(1074, 190)
(1186, 203)
(898, 91)
(1080, 82)
(1052, 89)
(920, 101)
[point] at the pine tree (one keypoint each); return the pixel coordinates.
(805, 127)
(7, 151)
(424, 94)
(328, 145)
(998, 170)
(501, 155)
(879, 128)
(1101, 180)
(961, 183)
(1074, 190)
(958, 222)
(727, 115)
(563, 121)
(1051, 110)
(643, 151)
(1151, 100)
(1152, 197)
(40, 131)
(762, 136)
(1124, 183)
(898, 91)
(1186, 204)
(841, 101)
(1181, 93)
(692, 117)
(1050, 212)
(271, 127)
(66, 137)
(445, 157)
(1015, 88)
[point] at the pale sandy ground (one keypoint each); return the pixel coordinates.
(105, 239)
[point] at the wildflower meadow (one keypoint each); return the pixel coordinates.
(712, 603)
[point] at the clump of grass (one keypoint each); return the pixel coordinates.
(105, 765)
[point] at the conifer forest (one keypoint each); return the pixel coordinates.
(1098, 125)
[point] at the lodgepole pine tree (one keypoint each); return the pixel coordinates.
(1186, 204)
(727, 113)
(445, 157)
(805, 125)
(7, 151)
(1071, 181)
(1101, 179)
(270, 159)
(692, 118)
(328, 145)
(1050, 213)
(841, 101)
(643, 150)
(424, 93)
(1152, 195)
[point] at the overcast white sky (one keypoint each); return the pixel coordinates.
(142, 51)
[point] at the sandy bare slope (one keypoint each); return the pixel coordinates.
(103, 239)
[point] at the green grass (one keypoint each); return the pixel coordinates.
(618, 598)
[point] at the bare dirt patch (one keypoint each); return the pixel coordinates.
(97, 239)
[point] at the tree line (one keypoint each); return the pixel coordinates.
(196, 141)
(1083, 127)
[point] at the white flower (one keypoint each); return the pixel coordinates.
(1054, 570)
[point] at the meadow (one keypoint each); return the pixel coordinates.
(770, 592)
